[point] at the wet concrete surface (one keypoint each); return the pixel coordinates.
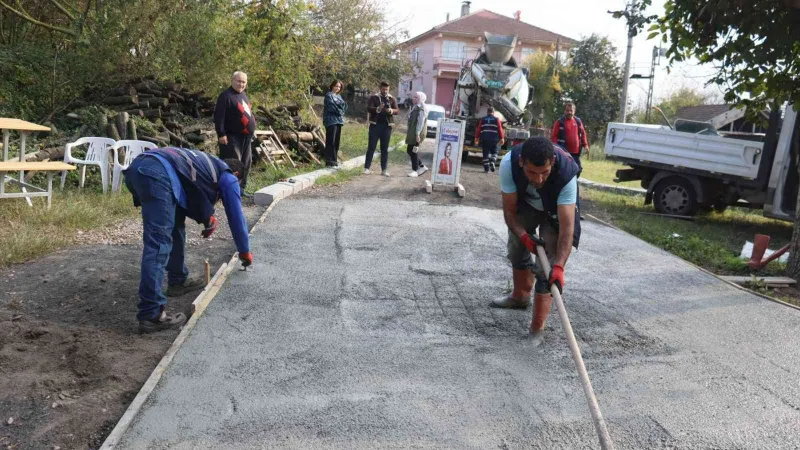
(365, 324)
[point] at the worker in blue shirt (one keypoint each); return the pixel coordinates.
(171, 184)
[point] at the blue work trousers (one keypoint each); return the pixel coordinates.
(164, 233)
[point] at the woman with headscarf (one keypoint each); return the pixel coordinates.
(417, 129)
(333, 120)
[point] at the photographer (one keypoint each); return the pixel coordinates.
(381, 107)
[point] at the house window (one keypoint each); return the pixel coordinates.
(454, 50)
(527, 53)
(415, 55)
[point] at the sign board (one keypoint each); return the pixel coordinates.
(446, 168)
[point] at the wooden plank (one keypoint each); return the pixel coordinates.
(13, 166)
(7, 123)
(769, 281)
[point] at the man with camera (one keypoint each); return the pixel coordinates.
(381, 107)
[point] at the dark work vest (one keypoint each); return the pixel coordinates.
(489, 129)
(199, 174)
(564, 170)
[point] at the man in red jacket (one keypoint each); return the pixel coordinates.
(568, 132)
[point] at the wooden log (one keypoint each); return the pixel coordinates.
(111, 131)
(122, 100)
(177, 140)
(131, 127)
(102, 122)
(145, 95)
(122, 124)
(50, 153)
(152, 113)
(174, 126)
(122, 90)
(195, 138)
(306, 149)
(157, 101)
(154, 140)
(135, 112)
(74, 116)
(291, 136)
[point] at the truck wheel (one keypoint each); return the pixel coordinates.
(676, 196)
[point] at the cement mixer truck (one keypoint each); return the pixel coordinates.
(494, 79)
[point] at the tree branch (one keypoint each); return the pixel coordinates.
(36, 22)
(62, 9)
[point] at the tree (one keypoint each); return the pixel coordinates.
(544, 79)
(754, 46)
(355, 42)
(593, 81)
(670, 105)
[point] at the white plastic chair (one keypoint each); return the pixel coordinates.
(132, 150)
(96, 155)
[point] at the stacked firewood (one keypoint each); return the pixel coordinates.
(305, 138)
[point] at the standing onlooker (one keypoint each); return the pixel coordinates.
(236, 125)
(489, 134)
(333, 120)
(568, 132)
(417, 130)
(381, 107)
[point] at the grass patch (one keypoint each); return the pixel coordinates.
(712, 241)
(604, 171)
(338, 177)
(27, 233)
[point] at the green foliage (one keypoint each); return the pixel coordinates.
(754, 45)
(356, 43)
(544, 79)
(634, 16)
(594, 82)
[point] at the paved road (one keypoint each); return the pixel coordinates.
(365, 325)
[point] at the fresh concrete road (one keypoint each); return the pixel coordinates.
(364, 325)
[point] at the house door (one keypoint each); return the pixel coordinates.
(445, 90)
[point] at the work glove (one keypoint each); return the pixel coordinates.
(246, 259)
(211, 227)
(557, 277)
(530, 242)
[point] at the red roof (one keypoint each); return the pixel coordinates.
(484, 20)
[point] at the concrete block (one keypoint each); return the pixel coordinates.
(461, 191)
(355, 162)
(270, 194)
(428, 186)
(294, 188)
(303, 181)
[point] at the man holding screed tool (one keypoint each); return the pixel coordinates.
(539, 185)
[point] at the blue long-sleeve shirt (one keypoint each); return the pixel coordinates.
(231, 199)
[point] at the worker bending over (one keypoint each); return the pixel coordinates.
(171, 184)
(539, 185)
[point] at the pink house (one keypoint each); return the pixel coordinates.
(443, 49)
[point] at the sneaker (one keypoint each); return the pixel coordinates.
(385, 173)
(491, 166)
(422, 169)
(413, 174)
(190, 285)
(162, 322)
(366, 172)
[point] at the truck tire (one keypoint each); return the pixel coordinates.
(675, 196)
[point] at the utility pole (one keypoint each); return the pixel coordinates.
(623, 103)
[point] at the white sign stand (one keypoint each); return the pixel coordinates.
(446, 169)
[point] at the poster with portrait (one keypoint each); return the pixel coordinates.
(447, 159)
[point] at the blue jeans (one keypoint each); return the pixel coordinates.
(378, 132)
(164, 233)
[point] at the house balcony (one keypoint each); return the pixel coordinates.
(446, 67)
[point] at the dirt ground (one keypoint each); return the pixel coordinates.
(71, 358)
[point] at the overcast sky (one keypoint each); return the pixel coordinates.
(575, 19)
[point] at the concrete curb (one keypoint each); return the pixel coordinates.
(741, 288)
(610, 188)
(274, 193)
(271, 194)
